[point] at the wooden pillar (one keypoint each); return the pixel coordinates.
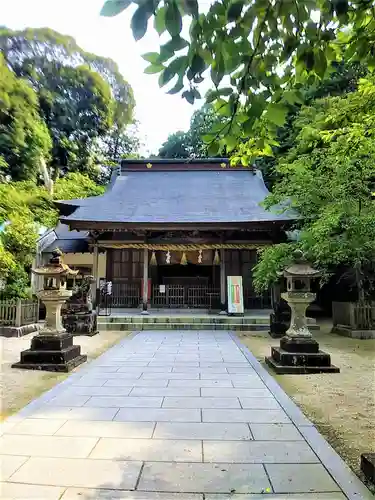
(95, 271)
(145, 282)
(223, 284)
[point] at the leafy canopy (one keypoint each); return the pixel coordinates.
(25, 209)
(329, 178)
(190, 144)
(80, 97)
(255, 53)
(24, 137)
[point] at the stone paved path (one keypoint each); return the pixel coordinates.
(174, 416)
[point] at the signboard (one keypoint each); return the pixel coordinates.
(235, 295)
(162, 288)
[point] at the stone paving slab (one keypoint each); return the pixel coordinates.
(86, 494)
(141, 430)
(78, 472)
(299, 478)
(148, 450)
(201, 430)
(261, 452)
(173, 415)
(47, 446)
(290, 496)
(194, 478)
(125, 401)
(16, 491)
(185, 402)
(231, 392)
(249, 416)
(275, 432)
(158, 415)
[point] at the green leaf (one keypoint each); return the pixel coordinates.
(197, 65)
(213, 149)
(320, 63)
(234, 10)
(151, 57)
(189, 96)
(276, 113)
(248, 125)
(231, 142)
(293, 97)
(177, 66)
(225, 91)
(173, 19)
(179, 86)
(139, 22)
(166, 76)
(207, 138)
(211, 96)
(191, 7)
(113, 7)
(159, 21)
(153, 68)
(217, 70)
(176, 43)
(165, 54)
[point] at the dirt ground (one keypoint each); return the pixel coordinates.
(341, 405)
(19, 387)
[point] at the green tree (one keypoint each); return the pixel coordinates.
(24, 137)
(27, 51)
(77, 107)
(25, 210)
(120, 143)
(190, 144)
(82, 96)
(329, 178)
(256, 54)
(76, 185)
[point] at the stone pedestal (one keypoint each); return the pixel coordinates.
(51, 352)
(368, 466)
(53, 349)
(298, 352)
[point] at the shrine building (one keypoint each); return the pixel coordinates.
(168, 232)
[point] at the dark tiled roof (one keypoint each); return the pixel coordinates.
(210, 196)
(68, 241)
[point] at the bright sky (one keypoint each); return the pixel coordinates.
(159, 114)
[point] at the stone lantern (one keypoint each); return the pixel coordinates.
(52, 349)
(299, 351)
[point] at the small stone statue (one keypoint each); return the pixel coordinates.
(78, 315)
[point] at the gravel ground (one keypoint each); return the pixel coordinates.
(19, 387)
(341, 405)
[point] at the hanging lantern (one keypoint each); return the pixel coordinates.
(183, 259)
(216, 258)
(200, 258)
(168, 257)
(153, 261)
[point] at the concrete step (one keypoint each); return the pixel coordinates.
(117, 326)
(189, 320)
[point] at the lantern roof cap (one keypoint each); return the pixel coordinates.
(300, 268)
(55, 266)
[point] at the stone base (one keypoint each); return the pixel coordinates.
(51, 353)
(299, 344)
(19, 331)
(368, 466)
(346, 331)
(299, 370)
(299, 355)
(81, 323)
